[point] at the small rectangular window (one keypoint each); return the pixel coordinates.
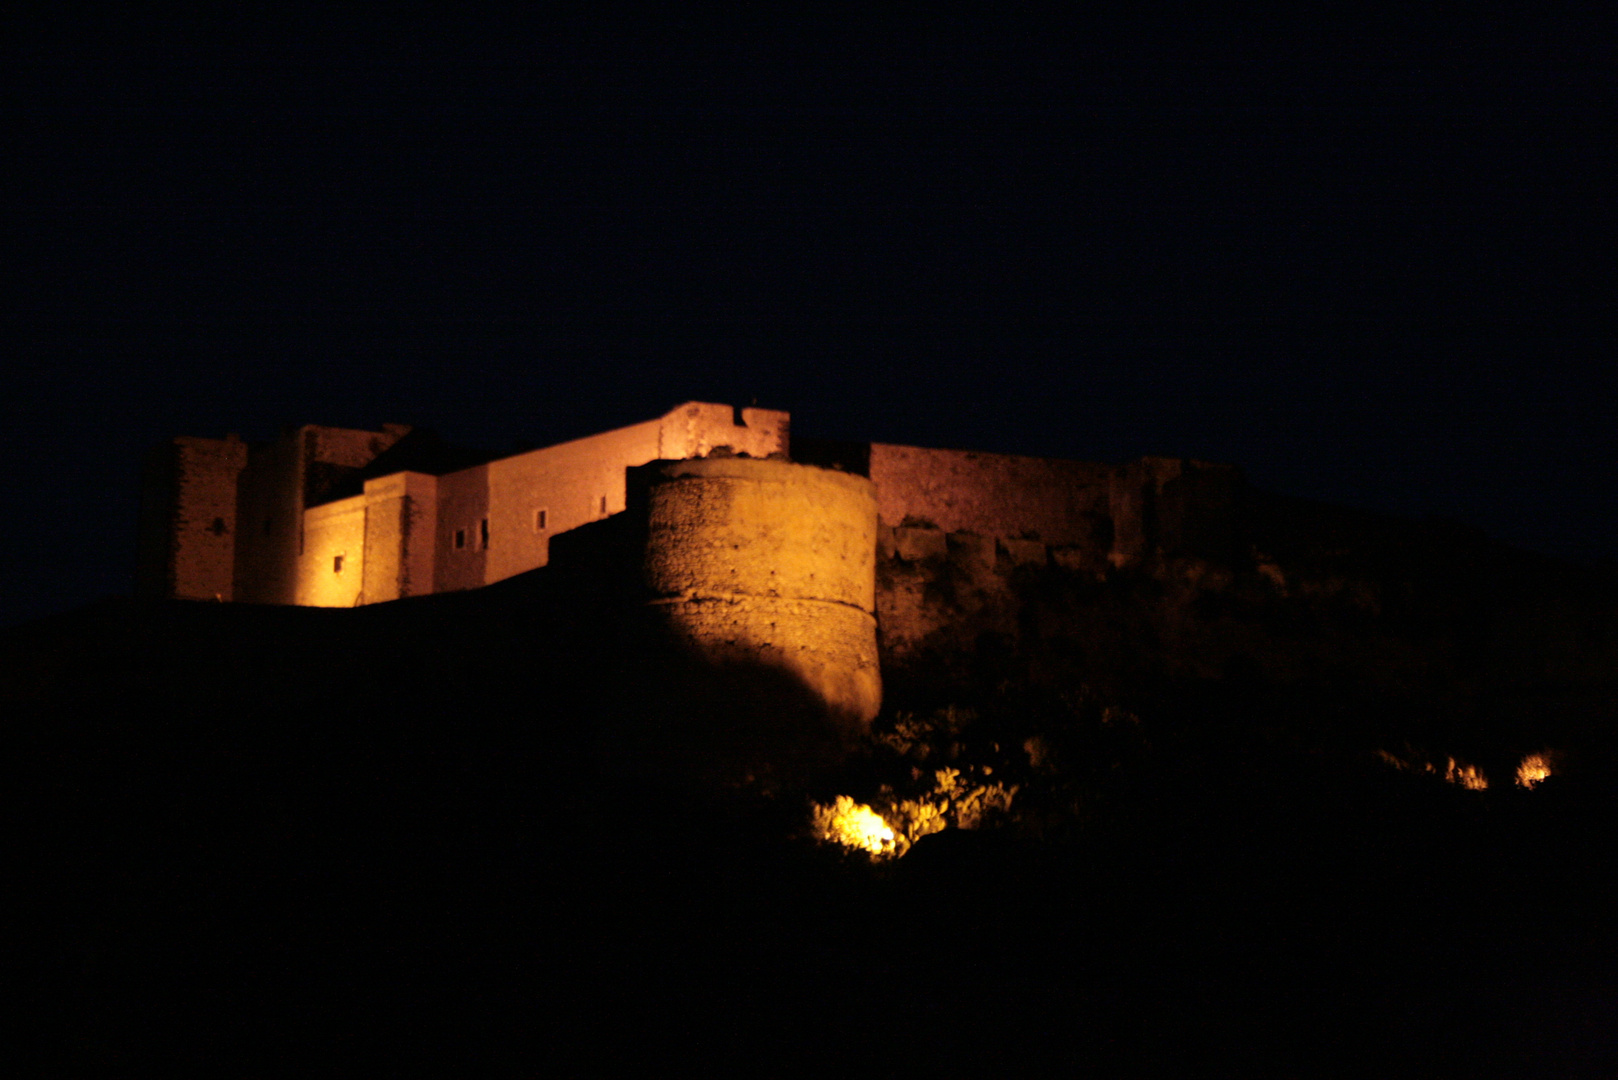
(603, 506)
(460, 539)
(337, 564)
(541, 520)
(483, 535)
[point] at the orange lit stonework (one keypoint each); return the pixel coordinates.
(758, 549)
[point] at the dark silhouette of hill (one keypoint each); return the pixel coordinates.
(487, 829)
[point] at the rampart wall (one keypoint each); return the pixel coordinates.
(282, 479)
(1173, 507)
(372, 547)
(528, 498)
(188, 541)
(1089, 512)
(461, 559)
(773, 564)
(928, 580)
(331, 570)
(401, 537)
(260, 525)
(1059, 502)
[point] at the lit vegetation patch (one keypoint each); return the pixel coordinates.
(957, 799)
(1535, 768)
(1455, 772)
(1468, 776)
(854, 825)
(939, 772)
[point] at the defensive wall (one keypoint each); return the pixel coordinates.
(959, 491)
(930, 582)
(187, 538)
(769, 563)
(319, 517)
(1088, 512)
(808, 559)
(372, 547)
(281, 480)
(275, 524)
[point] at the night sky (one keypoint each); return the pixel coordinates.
(1371, 264)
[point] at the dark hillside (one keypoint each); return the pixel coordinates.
(484, 828)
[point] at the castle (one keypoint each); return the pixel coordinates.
(756, 543)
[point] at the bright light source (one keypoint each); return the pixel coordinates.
(855, 825)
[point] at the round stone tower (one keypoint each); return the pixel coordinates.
(770, 565)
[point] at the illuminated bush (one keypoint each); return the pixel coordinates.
(1035, 765)
(951, 802)
(1536, 768)
(1455, 772)
(854, 825)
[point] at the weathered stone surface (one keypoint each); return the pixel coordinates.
(188, 527)
(770, 563)
(1072, 558)
(276, 535)
(989, 494)
(1167, 506)
(971, 550)
(1014, 552)
(915, 545)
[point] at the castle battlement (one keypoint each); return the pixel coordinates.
(780, 539)
(317, 518)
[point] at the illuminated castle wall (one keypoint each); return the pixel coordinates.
(756, 543)
(272, 524)
(771, 563)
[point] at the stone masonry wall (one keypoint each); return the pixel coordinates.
(571, 484)
(331, 570)
(504, 513)
(772, 564)
(189, 529)
(401, 525)
(929, 580)
(1057, 502)
(269, 523)
(1173, 507)
(281, 480)
(531, 497)
(372, 547)
(463, 505)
